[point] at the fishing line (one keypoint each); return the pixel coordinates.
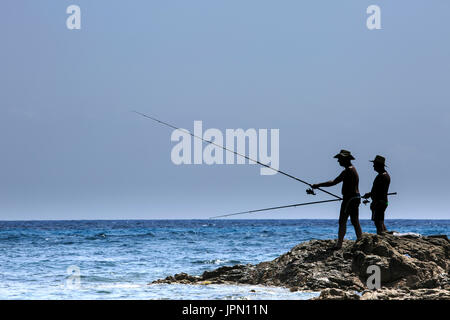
(294, 205)
(236, 153)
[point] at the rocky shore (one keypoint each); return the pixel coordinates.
(412, 267)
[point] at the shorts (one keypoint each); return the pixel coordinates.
(350, 208)
(378, 209)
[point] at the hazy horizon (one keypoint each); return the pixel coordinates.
(206, 219)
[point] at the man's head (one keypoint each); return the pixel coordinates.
(344, 158)
(379, 163)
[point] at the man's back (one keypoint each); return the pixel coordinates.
(381, 186)
(350, 182)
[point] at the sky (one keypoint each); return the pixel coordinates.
(72, 149)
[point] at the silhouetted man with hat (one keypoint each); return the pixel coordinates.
(378, 194)
(351, 198)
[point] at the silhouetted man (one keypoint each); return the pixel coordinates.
(378, 194)
(351, 198)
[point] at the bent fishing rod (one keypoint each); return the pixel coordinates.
(288, 206)
(309, 191)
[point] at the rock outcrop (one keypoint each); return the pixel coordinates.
(410, 268)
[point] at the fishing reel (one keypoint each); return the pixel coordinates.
(310, 191)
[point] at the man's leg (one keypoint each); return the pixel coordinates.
(343, 217)
(354, 216)
(379, 222)
(353, 210)
(382, 221)
(379, 225)
(341, 234)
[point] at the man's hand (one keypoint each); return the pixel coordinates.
(366, 196)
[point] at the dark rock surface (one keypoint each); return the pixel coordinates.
(411, 268)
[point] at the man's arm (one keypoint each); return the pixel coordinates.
(330, 183)
(367, 195)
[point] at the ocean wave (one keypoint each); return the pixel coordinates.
(411, 234)
(7, 237)
(97, 236)
(67, 242)
(89, 278)
(133, 235)
(216, 261)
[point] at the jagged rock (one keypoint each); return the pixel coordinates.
(409, 262)
(179, 278)
(410, 267)
(337, 294)
(405, 294)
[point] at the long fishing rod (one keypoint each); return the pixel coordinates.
(288, 206)
(309, 191)
(275, 208)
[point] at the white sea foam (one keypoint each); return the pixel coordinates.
(411, 234)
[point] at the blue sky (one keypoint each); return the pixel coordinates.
(71, 148)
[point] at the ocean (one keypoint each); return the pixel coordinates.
(117, 259)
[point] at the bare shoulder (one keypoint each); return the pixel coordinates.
(352, 169)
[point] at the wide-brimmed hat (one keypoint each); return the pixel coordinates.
(344, 154)
(379, 159)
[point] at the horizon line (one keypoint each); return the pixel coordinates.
(206, 219)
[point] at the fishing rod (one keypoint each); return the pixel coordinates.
(289, 206)
(309, 191)
(274, 208)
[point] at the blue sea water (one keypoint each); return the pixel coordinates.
(117, 259)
